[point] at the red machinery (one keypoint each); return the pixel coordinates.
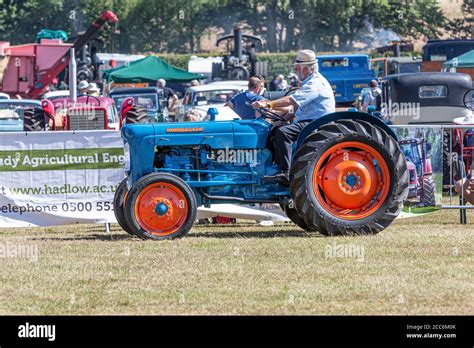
(26, 70)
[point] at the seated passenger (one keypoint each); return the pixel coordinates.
(239, 102)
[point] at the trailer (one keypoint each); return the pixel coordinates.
(27, 70)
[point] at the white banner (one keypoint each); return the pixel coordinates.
(58, 178)
(61, 178)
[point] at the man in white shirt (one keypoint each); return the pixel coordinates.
(313, 100)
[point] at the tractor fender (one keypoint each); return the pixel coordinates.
(141, 142)
(311, 127)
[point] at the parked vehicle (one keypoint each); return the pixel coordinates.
(348, 75)
(215, 95)
(36, 65)
(87, 113)
(14, 111)
(4, 96)
(348, 174)
(147, 98)
(421, 181)
(53, 95)
(436, 52)
(425, 98)
(241, 62)
(394, 65)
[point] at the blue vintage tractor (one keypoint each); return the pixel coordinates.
(348, 175)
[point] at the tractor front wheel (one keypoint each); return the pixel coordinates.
(160, 206)
(349, 177)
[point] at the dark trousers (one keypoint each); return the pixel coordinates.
(285, 136)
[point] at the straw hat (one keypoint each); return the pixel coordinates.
(83, 84)
(93, 87)
(305, 57)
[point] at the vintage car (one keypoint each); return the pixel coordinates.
(148, 98)
(425, 98)
(199, 99)
(53, 95)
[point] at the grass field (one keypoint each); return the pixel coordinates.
(423, 265)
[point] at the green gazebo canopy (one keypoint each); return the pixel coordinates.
(149, 69)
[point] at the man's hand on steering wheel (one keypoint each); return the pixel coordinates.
(263, 110)
(260, 104)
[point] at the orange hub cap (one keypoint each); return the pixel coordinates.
(161, 209)
(351, 180)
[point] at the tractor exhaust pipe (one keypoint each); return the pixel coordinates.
(72, 76)
(396, 49)
(238, 42)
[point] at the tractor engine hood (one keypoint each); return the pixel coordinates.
(142, 139)
(214, 134)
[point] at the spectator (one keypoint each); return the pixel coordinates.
(371, 96)
(294, 82)
(467, 185)
(283, 83)
(239, 102)
(94, 90)
(83, 87)
(168, 94)
(275, 84)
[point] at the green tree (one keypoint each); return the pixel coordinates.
(463, 28)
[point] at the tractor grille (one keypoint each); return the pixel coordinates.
(86, 119)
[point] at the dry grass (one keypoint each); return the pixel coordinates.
(417, 266)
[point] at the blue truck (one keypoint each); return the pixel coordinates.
(348, 175)
(348, 75)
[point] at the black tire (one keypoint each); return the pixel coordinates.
(315, 145)
(154, 179)
(428, 197)
(34, 120)
(119, 202)
(136, 114)
(293, 215)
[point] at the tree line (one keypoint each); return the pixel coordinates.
(179, 26)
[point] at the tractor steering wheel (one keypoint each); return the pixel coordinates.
(89, 96)
(266, 113)
(468, 101)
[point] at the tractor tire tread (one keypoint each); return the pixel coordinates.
(316, 143)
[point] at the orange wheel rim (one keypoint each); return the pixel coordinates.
(351, 180)
(161, 209)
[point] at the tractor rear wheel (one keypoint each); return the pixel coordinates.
(160, 206)
(119, 202)
(136, 114)
(293, 215)
(428, 198)
(349, 177)
(34, 120)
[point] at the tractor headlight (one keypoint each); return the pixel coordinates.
(126, 157)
